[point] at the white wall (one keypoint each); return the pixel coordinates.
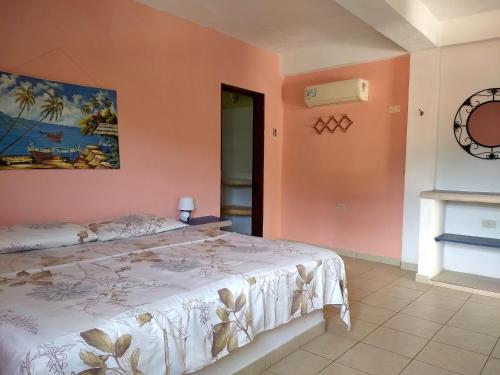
(420, 143)
(463, 70)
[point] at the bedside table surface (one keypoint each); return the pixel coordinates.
(214, 221)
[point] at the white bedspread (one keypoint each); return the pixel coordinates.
(170, 303)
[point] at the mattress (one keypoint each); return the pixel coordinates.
(170, 303)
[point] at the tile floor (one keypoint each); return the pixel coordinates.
(402, 327)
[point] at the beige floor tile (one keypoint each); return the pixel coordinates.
(392, 270)
(364, 283)
(452, 358)
(300, 362)
(395, 341)
(380, 275)
(360, 262)
(338, 369)
(359, 328)
(428, 312)
(266, 373)
(400, 292)
(329, 345)
(481, 311)
(473, 323)
(413, 325)
(492, 367)
(373, 360)
(458, 294)
(466, 339)
(386, 302)
(496, 351)
(440, 301)
(490, 301)
(421, 368)
(410, 283)
(357, 294)
(355, 268)
(369, 313)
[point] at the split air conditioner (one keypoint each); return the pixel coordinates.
(353, 90)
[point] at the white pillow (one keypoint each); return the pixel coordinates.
(41, 236)
(132, 226)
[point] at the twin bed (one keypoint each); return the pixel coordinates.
(167, 303)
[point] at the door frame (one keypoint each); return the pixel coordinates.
(257, 155)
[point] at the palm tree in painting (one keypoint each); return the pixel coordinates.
(25, 99)
(95, 103)
(107, 103)
(86, 108)
(51, 109)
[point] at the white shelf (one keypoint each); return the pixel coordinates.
(461, 196)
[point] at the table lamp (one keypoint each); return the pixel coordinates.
(186, 205)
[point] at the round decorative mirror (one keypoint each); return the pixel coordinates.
(477, 124)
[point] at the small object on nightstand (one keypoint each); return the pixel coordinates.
(186, 205)
(210, 222)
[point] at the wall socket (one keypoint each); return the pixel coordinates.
(394, 109)
(341, 206)
(489, 223)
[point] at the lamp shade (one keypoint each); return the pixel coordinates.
(186, 204)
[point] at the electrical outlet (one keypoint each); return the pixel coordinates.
(489, 223)
(394, 109)
(341, 206)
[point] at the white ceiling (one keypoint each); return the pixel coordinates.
(320, 34)
(447, 9)
(309, 34)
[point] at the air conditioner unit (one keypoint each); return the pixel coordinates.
(353, 90)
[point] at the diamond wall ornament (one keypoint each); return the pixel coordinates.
(332, 124)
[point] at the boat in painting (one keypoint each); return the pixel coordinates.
(41, 154)
(54, 137)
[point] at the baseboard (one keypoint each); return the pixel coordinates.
(369, 257)
(353, 254)
(409, 266)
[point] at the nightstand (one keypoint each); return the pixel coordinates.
(209, 222)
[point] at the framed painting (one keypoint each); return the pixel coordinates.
(53, 125)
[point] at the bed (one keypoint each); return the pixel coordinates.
(168, 303)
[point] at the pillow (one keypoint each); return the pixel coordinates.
(41, 236)
(132, 226)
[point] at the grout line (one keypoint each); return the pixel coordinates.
(386, 350)
(490, 356)
(430, 339)
(342, 364)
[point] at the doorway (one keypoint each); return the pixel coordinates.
(242, 159)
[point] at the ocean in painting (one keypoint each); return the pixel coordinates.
(53, 125)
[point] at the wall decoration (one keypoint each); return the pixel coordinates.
(53, 125)
(477, 124)
(344, 122)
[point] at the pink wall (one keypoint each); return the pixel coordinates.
(168, 73)
(363, 168)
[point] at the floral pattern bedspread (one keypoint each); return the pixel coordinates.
(169, 303)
